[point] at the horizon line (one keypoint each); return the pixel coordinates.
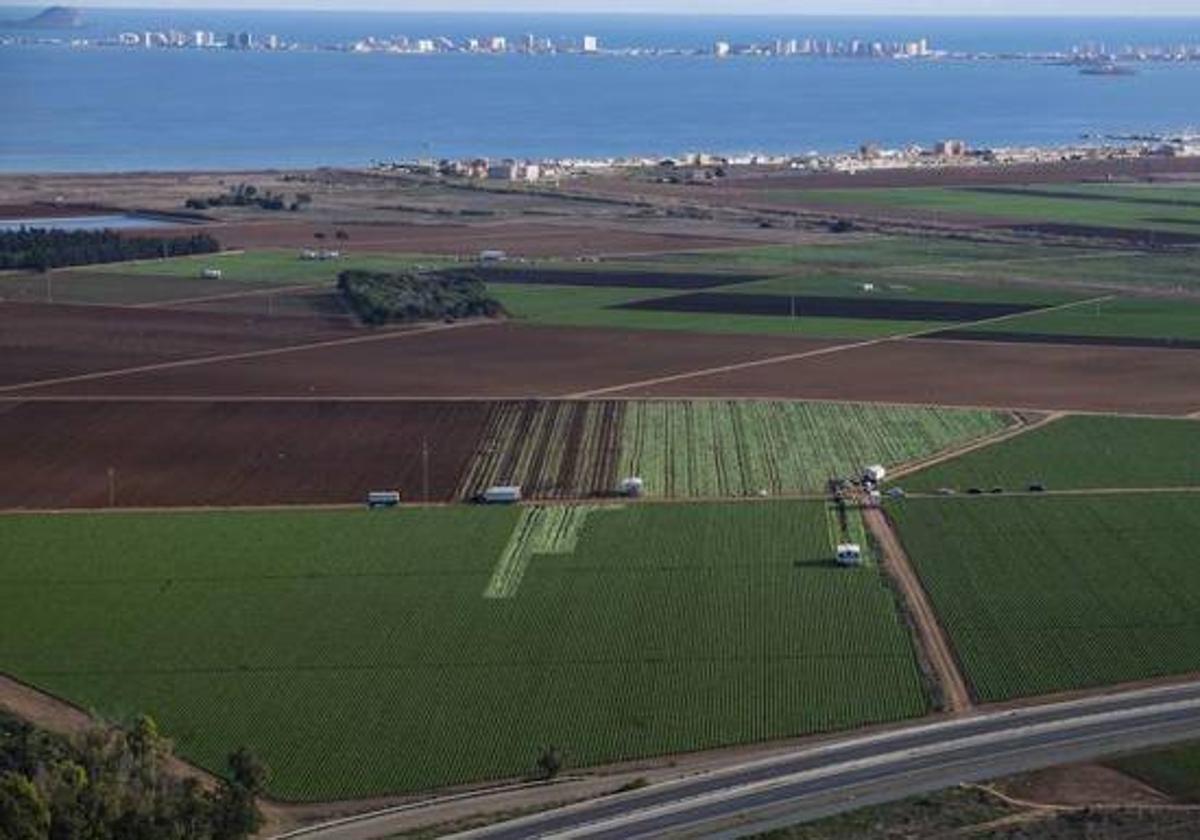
(334, 9)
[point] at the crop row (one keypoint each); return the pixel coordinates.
(705, 448)
(1044, 594)
(740, 448)
(552, 449)
(355, 654)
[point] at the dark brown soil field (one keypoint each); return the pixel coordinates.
(320, 306)
(829, 307)
(44, 342)
(526, 239)
(485, 360)
(1075, 340)
(970, 374)
(57, 455)
(630, 280)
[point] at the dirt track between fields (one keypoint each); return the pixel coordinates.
(932, 640)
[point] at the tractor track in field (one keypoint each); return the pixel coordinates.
(386, 335)
(814, 353)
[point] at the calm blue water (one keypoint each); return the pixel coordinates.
(117, 109)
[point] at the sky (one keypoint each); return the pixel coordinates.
(1010, 8)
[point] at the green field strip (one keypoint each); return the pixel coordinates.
(1055, 593)
(1077, 452)
(1157, 318)
(1077, 210)
(321, 640)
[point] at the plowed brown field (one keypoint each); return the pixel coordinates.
(43, 342)
(971, 374)
(488, 360)
(57, 455)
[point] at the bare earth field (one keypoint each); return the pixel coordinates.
(526, 239)
(970, 374)
(231, 453)
(483, 360)
(43, 342)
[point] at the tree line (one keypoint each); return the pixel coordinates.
(380, 297)
(248, 195)
(114, 784)
(41, 249)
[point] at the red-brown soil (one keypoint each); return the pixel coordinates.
(57, 455)
(527, 239)
(486, 360)
(46, 341)
(1148, 381)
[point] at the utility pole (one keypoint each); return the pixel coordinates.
(112, 486)
(425, 466)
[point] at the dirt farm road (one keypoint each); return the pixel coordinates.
(932, 641)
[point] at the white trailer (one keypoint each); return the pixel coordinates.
(633, 487)
(849, 554)
(383, 498)
(508, 494)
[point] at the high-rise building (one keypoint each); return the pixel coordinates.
(721, 49)
(591, 44)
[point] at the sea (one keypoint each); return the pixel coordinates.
(113, 109)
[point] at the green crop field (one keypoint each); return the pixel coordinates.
(363, 653)
(897, 286)
(1078, 452)
(705, 448)
(1082, 209)
(271, 266)
(1045, 594)
(705, 322)
(1101, 270)
(550, 304)
(1118, 317)
(739, 448)
(862, 251)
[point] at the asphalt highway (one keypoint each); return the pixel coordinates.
(851, 772)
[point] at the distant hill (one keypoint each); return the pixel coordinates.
(55, 17)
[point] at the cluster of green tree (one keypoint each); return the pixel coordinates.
(112, 784)
(41, 248)
(380, 297)
(248, 195)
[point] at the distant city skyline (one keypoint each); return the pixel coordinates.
(990, 8)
